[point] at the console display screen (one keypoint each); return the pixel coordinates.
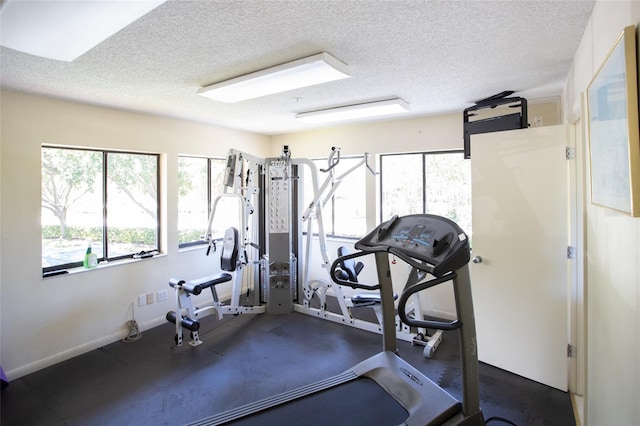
(417, 234)
(437, 243)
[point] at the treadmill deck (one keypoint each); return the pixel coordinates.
(383, 389)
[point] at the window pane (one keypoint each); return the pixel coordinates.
(227, 214)
(218, 167)
(447, 182)
(349, 201)
(308, 196)
(344, 214)
(401, 185)
(227, 211)
(132, 203)
(193, 208)
(71, 205)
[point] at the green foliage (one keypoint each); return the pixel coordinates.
(70, 168)
(72, 233)
(189, 235)
(141, 236)
(136, 175)
(435, 183)
(67, 175)
(190, 169)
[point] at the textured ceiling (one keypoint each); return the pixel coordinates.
(439, 56)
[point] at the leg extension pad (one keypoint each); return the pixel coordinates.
(187, 323)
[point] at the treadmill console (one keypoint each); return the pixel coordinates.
(434, 240)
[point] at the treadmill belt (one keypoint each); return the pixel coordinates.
(358, 402)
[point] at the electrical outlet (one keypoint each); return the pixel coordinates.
(149, 298)
(537, 121)
(162, 295)
(142, 300)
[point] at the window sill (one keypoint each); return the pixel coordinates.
(101, 265)
(192, 248)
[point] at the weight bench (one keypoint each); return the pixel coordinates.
(349, 270)
(185, 315)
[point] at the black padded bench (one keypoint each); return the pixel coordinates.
(366, 299)
(196, 286)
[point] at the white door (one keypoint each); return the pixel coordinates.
(520, 232)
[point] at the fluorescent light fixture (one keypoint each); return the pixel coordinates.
(64, 29)
(352, 112)
(309, 71)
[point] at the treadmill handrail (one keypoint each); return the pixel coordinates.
(336, 264)
(415, 288)
(375, 249)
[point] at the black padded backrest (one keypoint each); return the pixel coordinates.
(349, 266)
(229, 254)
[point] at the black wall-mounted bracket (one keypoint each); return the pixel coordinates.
(500, 123)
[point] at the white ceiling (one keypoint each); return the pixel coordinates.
(439, 56)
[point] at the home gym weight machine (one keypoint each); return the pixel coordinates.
(384, 389)
(268, 193)
(238, 255)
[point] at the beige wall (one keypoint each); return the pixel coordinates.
(440, 132)
(611, 258)
(45, 321)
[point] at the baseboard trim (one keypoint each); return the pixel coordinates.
(577, 402)
(65, 355)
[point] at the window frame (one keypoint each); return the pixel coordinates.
(210, 198)
(105, 228)
(423, 161)
(331, 213)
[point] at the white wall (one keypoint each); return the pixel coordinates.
(611, 258)
(44, 321)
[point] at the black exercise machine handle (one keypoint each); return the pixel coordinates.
(336, 264)
(332, 162)
(410, 291)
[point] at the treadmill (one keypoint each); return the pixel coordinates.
(384, 389)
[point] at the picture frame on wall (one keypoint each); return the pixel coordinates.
(614, 134)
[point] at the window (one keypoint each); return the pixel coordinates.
(437, 183)
(344, 214)
(100, 199)
(199, 183)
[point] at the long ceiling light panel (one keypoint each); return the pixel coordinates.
(65, 30)
(352, 112)
(309, 71)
